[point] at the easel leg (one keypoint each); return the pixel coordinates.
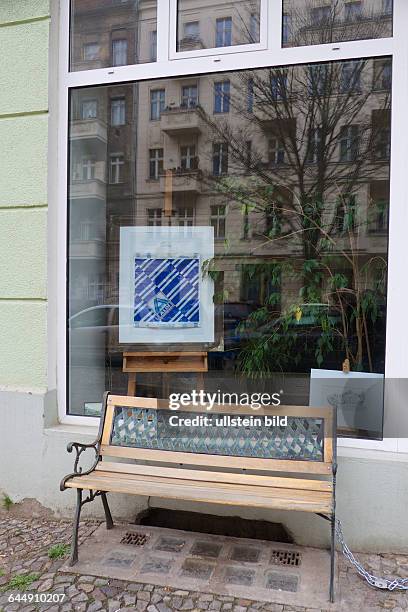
(108, 516)
(200, 381)
(332, 557)
(132, 383)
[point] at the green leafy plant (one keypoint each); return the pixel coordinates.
(21, 582)
(7, 502)
(58, 551)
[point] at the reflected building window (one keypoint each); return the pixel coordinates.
(119, 52)
(286, 21)
(349, 140)
(118, 111)
(88, 168)
(189, 96)
(153, 46)
(314, 148)
(154, 217)
(217, 220)
(89, 109)
(387, 7)
(157, 103)
(188, 157)
(185, 216)
(222, 97)
(353, 11)
(90, 51)
(155, 163)
(220, 158)
(350, 78)
(116, 169)
(223, 34)
(320, 15)
(382, 75)
(276, 152)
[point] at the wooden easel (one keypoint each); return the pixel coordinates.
(166, 363)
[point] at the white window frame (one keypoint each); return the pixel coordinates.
(268, 53)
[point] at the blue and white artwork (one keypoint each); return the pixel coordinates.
(166, 295)
(167, 292)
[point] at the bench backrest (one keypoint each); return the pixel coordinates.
(146, 429)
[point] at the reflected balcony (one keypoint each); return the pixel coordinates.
(93, 130)
(182, 181)
(87, 249)
(94, 189)
(181, 121)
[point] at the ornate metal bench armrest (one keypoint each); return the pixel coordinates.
(79, 448)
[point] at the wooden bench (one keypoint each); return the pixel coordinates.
(276, 467)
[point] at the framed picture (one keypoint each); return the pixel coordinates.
(357, 396)
(165, 295)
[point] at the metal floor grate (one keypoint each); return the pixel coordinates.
(286, 557)
(134, 538)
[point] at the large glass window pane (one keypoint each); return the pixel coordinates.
(257, 234)
(112, 33)
(312, 22)
(202, 25)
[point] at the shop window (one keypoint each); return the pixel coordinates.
(268, 194)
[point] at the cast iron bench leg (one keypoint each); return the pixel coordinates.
(108, 516)
(74, 545)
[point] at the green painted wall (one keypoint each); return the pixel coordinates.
(24, 39)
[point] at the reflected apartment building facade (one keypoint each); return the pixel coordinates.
(250, 154)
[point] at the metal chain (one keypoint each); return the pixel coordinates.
(396, 584)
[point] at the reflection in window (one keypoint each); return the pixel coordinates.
(155, 163)
(89, 109)
(296, 193)
(189, 96)
(118, 111)
(217, 220)
(157, 103)
(211, 28)
(112, 33)
(117, 163)
(220, 158)
(308, 22)
(222, 97)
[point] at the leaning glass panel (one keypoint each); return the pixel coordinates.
(312, 22)
(228, 234)
(108, 33)
(206, 25)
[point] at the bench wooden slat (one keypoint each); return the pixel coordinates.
(210, 476)
(252, 463)
(223, 493)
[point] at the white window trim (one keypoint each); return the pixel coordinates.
(238, 58)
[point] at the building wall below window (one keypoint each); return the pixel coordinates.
(24, 42)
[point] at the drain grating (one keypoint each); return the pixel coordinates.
(286, 557)
(134, 538)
